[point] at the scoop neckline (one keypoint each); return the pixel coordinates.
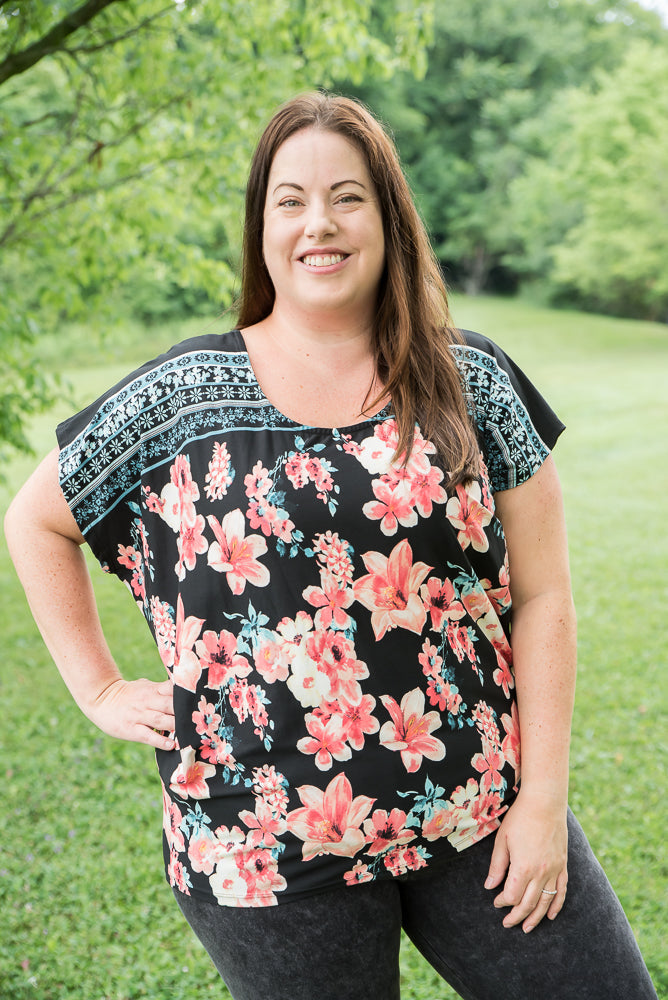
(382, 414)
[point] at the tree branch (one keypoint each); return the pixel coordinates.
(52, 41)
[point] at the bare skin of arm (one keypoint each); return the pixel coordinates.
(530, 851)
(45, 545)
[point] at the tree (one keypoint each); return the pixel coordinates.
(467, 128)
(125, 132)
(598, 205)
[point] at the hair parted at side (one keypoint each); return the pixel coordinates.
(412, 330)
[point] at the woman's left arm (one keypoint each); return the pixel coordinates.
(530, 850)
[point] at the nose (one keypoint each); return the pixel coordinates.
(319, 221)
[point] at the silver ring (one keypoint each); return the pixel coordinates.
(550, 892)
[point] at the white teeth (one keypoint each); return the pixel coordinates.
(325, 260)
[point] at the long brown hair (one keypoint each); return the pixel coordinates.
(412, 329)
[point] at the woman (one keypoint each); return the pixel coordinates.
(325, 517)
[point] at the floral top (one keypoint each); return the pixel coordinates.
(336, 626)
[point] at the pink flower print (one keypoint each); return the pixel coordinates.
(426, 490)
(258, 482)
(358, 720)
(500, 596)
(334, 656)
(441, 823)
(259, 870)
(391, 507)
(477, 603)
(264, 825)
(131, 559)
(461, 644)
(503, 675)
(206, 719)
(218, 655)
(319, 472)
(153, 503)
(436, 694)
(220, 474)
(510, 747)
(390, 590)
(190, 543)
(430, 659)
(403, 859)
(410, 728)
(271, 785)
(270, 661)
(202, 852)
(331, 599)
(466, 513)
(189, 778)
(235, 555)
(296, 469)
(327, 740)
(218, 751)
(485, 721)
(178, 876)
(358, 873)
(333, 553)
(172, 818)
(178, 497)
(441, 602)
(489, 764)
(477, 814)
(165, 630)
(329, 821)
(187, 668)
(385, 830)
(256, 702)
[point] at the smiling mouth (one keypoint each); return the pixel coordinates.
(323, 260)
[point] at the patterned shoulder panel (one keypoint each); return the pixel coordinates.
(513, 421)
(185, 395)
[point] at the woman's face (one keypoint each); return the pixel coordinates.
(323, 238)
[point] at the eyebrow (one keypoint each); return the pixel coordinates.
(298, 187)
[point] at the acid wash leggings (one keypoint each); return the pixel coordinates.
(344, 944)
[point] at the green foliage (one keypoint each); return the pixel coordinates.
(598, 207)
(86, 912)
(124, 150)
(482, 113)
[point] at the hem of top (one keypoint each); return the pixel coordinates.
(280, 898)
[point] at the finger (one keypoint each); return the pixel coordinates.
(498, 865)
(155, 738)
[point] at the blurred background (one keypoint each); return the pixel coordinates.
(535, 137)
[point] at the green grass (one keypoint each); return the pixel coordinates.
(86, 912)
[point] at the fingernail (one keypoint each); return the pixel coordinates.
(489, 882)
(527, 930)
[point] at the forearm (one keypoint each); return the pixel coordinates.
(54, 575)
(544, 651)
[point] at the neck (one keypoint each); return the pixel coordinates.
(332, 335)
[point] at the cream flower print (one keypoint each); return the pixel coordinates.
(189, 778)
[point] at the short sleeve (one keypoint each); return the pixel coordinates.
(100, 467)
(516, 426)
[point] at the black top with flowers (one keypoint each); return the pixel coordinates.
(336, 626)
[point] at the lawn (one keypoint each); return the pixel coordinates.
(86, 912)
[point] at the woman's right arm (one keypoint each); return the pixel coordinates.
(45, 544)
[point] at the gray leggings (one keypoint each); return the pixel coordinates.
(344, 944)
